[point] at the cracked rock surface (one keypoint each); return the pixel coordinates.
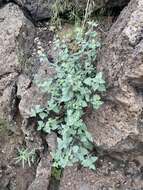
(117, 126)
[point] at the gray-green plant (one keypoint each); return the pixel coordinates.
(75, 87)
(25, 156)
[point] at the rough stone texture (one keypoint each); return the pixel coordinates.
(8, 150)
(15, 32)
(30, 95)
(43, 174)
(109, 175)
(117, 126)
(16, 42)
(39, 9)
(30, 99)
(24, 177)
(51, 140)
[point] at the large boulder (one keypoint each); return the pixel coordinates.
(16, 41)
(38, 9)
(118, 125)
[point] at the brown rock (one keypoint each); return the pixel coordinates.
(32, 97)
(8, 103)
(43, 174)
(14, 27)
(24, 177)
(39, 9)
(108, 176)
(15, 39)
(117, 126)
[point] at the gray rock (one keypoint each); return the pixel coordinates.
(43, 174)
(32, 97)
(24, 177)
(39, 9)
(51, 140)
(8, 103)
(117, 126)
(17, 34)
(23, 83)
(109, 176)
(29, 93)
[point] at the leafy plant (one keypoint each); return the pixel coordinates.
(75, 87)
(26, 156)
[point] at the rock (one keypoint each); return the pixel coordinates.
(43, 174)
(23, 83)
(51, 140)
(109, 175)
(8, 103)
(32, 97)
(117, 126)
(24, 177)
(8, 152)
(29, 93)
(17, 34)
(41, 9)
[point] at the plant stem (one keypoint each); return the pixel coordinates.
(86, 14)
